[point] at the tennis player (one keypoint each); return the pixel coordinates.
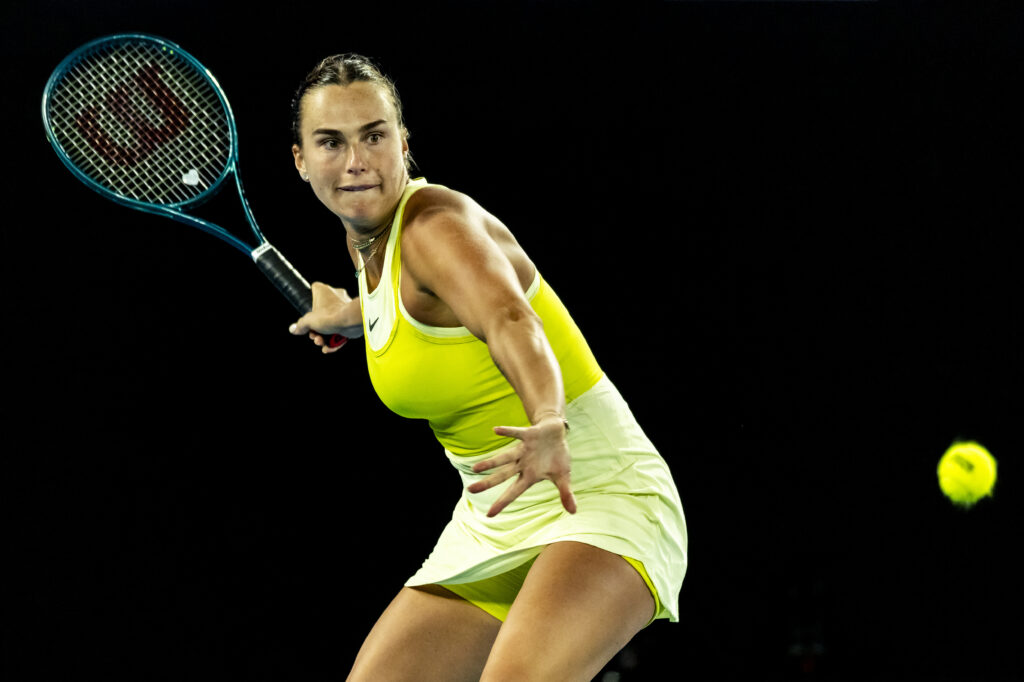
(569, 537)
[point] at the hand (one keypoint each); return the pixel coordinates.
(541, 455)
(334, 312)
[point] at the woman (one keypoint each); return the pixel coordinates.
(569, 537)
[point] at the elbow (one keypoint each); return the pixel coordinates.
(514, 321)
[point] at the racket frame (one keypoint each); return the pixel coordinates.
(176, 210)
(268, 259)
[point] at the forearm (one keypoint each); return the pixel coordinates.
(521, 351)
(334, 312)
(350, 318)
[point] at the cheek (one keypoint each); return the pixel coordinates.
(396, 162)
(321, 189)
(321, 175)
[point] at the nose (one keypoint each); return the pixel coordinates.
(355, 164)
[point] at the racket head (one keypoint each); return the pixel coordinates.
(142, 122)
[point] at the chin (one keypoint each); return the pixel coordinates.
(368, 211)
(362, 220)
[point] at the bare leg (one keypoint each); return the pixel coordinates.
(579, 606)
(426, 634)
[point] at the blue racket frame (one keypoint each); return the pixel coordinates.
(171, 210)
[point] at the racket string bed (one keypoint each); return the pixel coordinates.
(167, 171)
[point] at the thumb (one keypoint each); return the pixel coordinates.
(302, 325)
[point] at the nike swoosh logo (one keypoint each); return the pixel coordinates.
(374, 323)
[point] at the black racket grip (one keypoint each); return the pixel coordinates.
(290, 283)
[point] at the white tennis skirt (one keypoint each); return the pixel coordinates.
(627, 503)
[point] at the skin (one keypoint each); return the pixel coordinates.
(462, 267)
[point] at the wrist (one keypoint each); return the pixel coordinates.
(551, 414)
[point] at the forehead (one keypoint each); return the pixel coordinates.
(341, 106)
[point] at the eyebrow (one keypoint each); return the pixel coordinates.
(337, 133)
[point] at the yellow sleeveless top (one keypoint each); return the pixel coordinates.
(445, 375)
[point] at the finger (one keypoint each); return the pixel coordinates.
(514, 491)
(565, 493)
(328, 348)
(497, 461)
(494, 479)
(510, 431)
(302, 325)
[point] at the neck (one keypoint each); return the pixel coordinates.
(362, 241)
(363, 238)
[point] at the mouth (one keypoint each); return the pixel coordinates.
(357, 188)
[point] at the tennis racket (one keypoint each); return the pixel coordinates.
(142, 122)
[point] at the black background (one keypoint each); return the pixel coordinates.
(789, 231)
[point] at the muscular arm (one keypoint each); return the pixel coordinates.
(449, 253)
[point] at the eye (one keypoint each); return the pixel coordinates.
(375, 138)
(330, 143)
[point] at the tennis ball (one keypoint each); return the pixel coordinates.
(967, 473)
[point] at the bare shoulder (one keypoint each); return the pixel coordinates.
(442, 227)
(433, 212)
(445, 226)
(432, 206)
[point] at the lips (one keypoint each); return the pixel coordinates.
(356, 188)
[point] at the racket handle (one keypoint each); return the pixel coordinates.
(290, 283)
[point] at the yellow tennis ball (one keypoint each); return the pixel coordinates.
(967, 473)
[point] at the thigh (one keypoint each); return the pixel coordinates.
(426, 633)
(579, 606)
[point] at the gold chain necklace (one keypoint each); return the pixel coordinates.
(373, 252)
(359, 246)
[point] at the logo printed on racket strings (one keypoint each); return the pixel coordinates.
(123, 104)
